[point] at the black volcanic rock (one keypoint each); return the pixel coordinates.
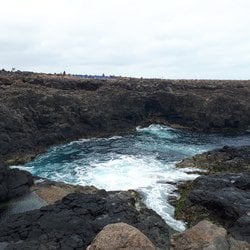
(226, 197)
(74, 222)
(241, 228)
(14, 183)
(223, 197)
(38, 110)
(226, 159)
(223, 194)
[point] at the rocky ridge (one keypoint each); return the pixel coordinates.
(39, 110)
(226, 160)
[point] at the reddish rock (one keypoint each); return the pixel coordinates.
(204, 235)
(238, 245)
(121, 236)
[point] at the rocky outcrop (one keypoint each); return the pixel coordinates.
(207, 236)
(226, 159)
(121, 236)
(14, 183)
(238, 245)
(38, 110)
(204, 235)
(224, 198)
(74, 222)
(227, 195)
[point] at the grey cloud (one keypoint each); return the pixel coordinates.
(163, 38)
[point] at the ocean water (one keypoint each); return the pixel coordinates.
(144, 161)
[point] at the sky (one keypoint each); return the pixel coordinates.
(188, 39)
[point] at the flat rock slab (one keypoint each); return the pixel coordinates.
(75, 221)
(52, 191)
(26, 203)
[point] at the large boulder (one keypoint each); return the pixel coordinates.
(121, 236)
(74, 222)
(204, 235)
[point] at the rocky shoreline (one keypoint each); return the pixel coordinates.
(75, 214)
(216, 207)
(38, 111)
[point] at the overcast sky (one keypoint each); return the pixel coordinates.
(149, 38)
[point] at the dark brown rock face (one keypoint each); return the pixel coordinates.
(37, 111)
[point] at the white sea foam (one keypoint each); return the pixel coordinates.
(160, 131)
(115, 137)
(145, 174)
(155, 127)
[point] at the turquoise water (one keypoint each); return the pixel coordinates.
(144, 161)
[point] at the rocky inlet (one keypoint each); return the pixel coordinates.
(38, 111)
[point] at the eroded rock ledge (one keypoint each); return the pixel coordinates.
(77, 214)
(224, 160)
